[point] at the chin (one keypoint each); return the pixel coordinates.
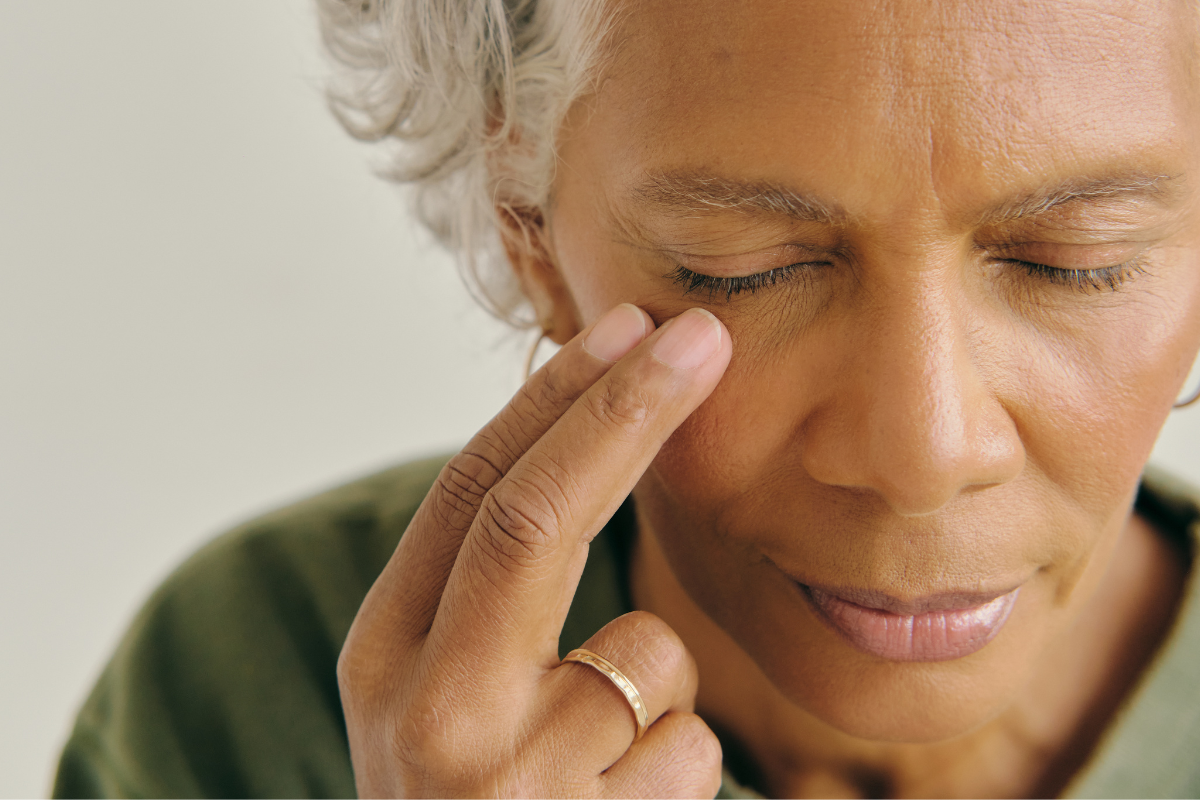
(905, 704)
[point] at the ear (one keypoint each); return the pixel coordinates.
(523, 232)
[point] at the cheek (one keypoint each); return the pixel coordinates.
(736, 442)
(1091, 392)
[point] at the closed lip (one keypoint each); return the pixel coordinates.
(936, 627)
(881, 601)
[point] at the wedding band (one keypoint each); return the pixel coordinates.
(619, 680)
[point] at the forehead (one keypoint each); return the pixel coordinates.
(950, 98)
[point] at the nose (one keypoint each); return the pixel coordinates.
(907, 413)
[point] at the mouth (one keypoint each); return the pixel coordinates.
(934, 628)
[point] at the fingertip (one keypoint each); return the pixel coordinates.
(690, 340)
(619, 330)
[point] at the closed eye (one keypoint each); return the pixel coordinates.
(714, 286)
(1086, 280)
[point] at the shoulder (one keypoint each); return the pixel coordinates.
(1171, 504)
(225, 683)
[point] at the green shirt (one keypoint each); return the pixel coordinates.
(225, 685)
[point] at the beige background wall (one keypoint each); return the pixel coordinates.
(207, 307)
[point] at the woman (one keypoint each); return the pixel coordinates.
(873, 312)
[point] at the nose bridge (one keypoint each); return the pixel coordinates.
(917, 389)
(916, 422)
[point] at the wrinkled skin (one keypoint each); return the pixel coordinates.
(986, 300)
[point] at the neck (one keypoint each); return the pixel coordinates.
(1033, 748)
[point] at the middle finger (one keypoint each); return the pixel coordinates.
(410, 587)
(511, 585)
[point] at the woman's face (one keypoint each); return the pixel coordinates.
(955, 245)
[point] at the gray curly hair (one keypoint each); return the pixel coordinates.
(469, 95)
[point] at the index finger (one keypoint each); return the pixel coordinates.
(406, 596)
(510, 587)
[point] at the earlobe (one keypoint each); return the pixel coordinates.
(533, 263)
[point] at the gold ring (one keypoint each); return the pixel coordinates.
(619, 680)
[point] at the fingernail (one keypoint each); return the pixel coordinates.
(616, 333)
(689, 340)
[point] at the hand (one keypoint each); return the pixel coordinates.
(450, 679)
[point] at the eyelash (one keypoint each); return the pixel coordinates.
(714, 286)
(1086, 280)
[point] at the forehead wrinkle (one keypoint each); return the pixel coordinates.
(699, 194)
(1073, 190)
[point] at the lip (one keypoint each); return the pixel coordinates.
(937, 627)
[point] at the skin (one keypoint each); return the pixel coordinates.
(911, 409)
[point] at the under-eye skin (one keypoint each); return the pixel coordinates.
(715, 287)
(1102, 279)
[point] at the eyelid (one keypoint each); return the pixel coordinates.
(1075, 257)
(744, 265)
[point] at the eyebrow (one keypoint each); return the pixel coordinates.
(1158, 187)
(690, 193)
(694, 193)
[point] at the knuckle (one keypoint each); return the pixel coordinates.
(699, 752)
(520, 522)
(502, 441)
(462, 485)
(371, 676)
(434, 752)
(421, 743)
(655, 642)
(425, 761)
(357, 672)
(546, 392)
(620, 404)
(701, 742)
(349, 675)
(411, 721)
(534, 408)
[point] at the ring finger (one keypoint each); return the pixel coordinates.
(589, 714)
